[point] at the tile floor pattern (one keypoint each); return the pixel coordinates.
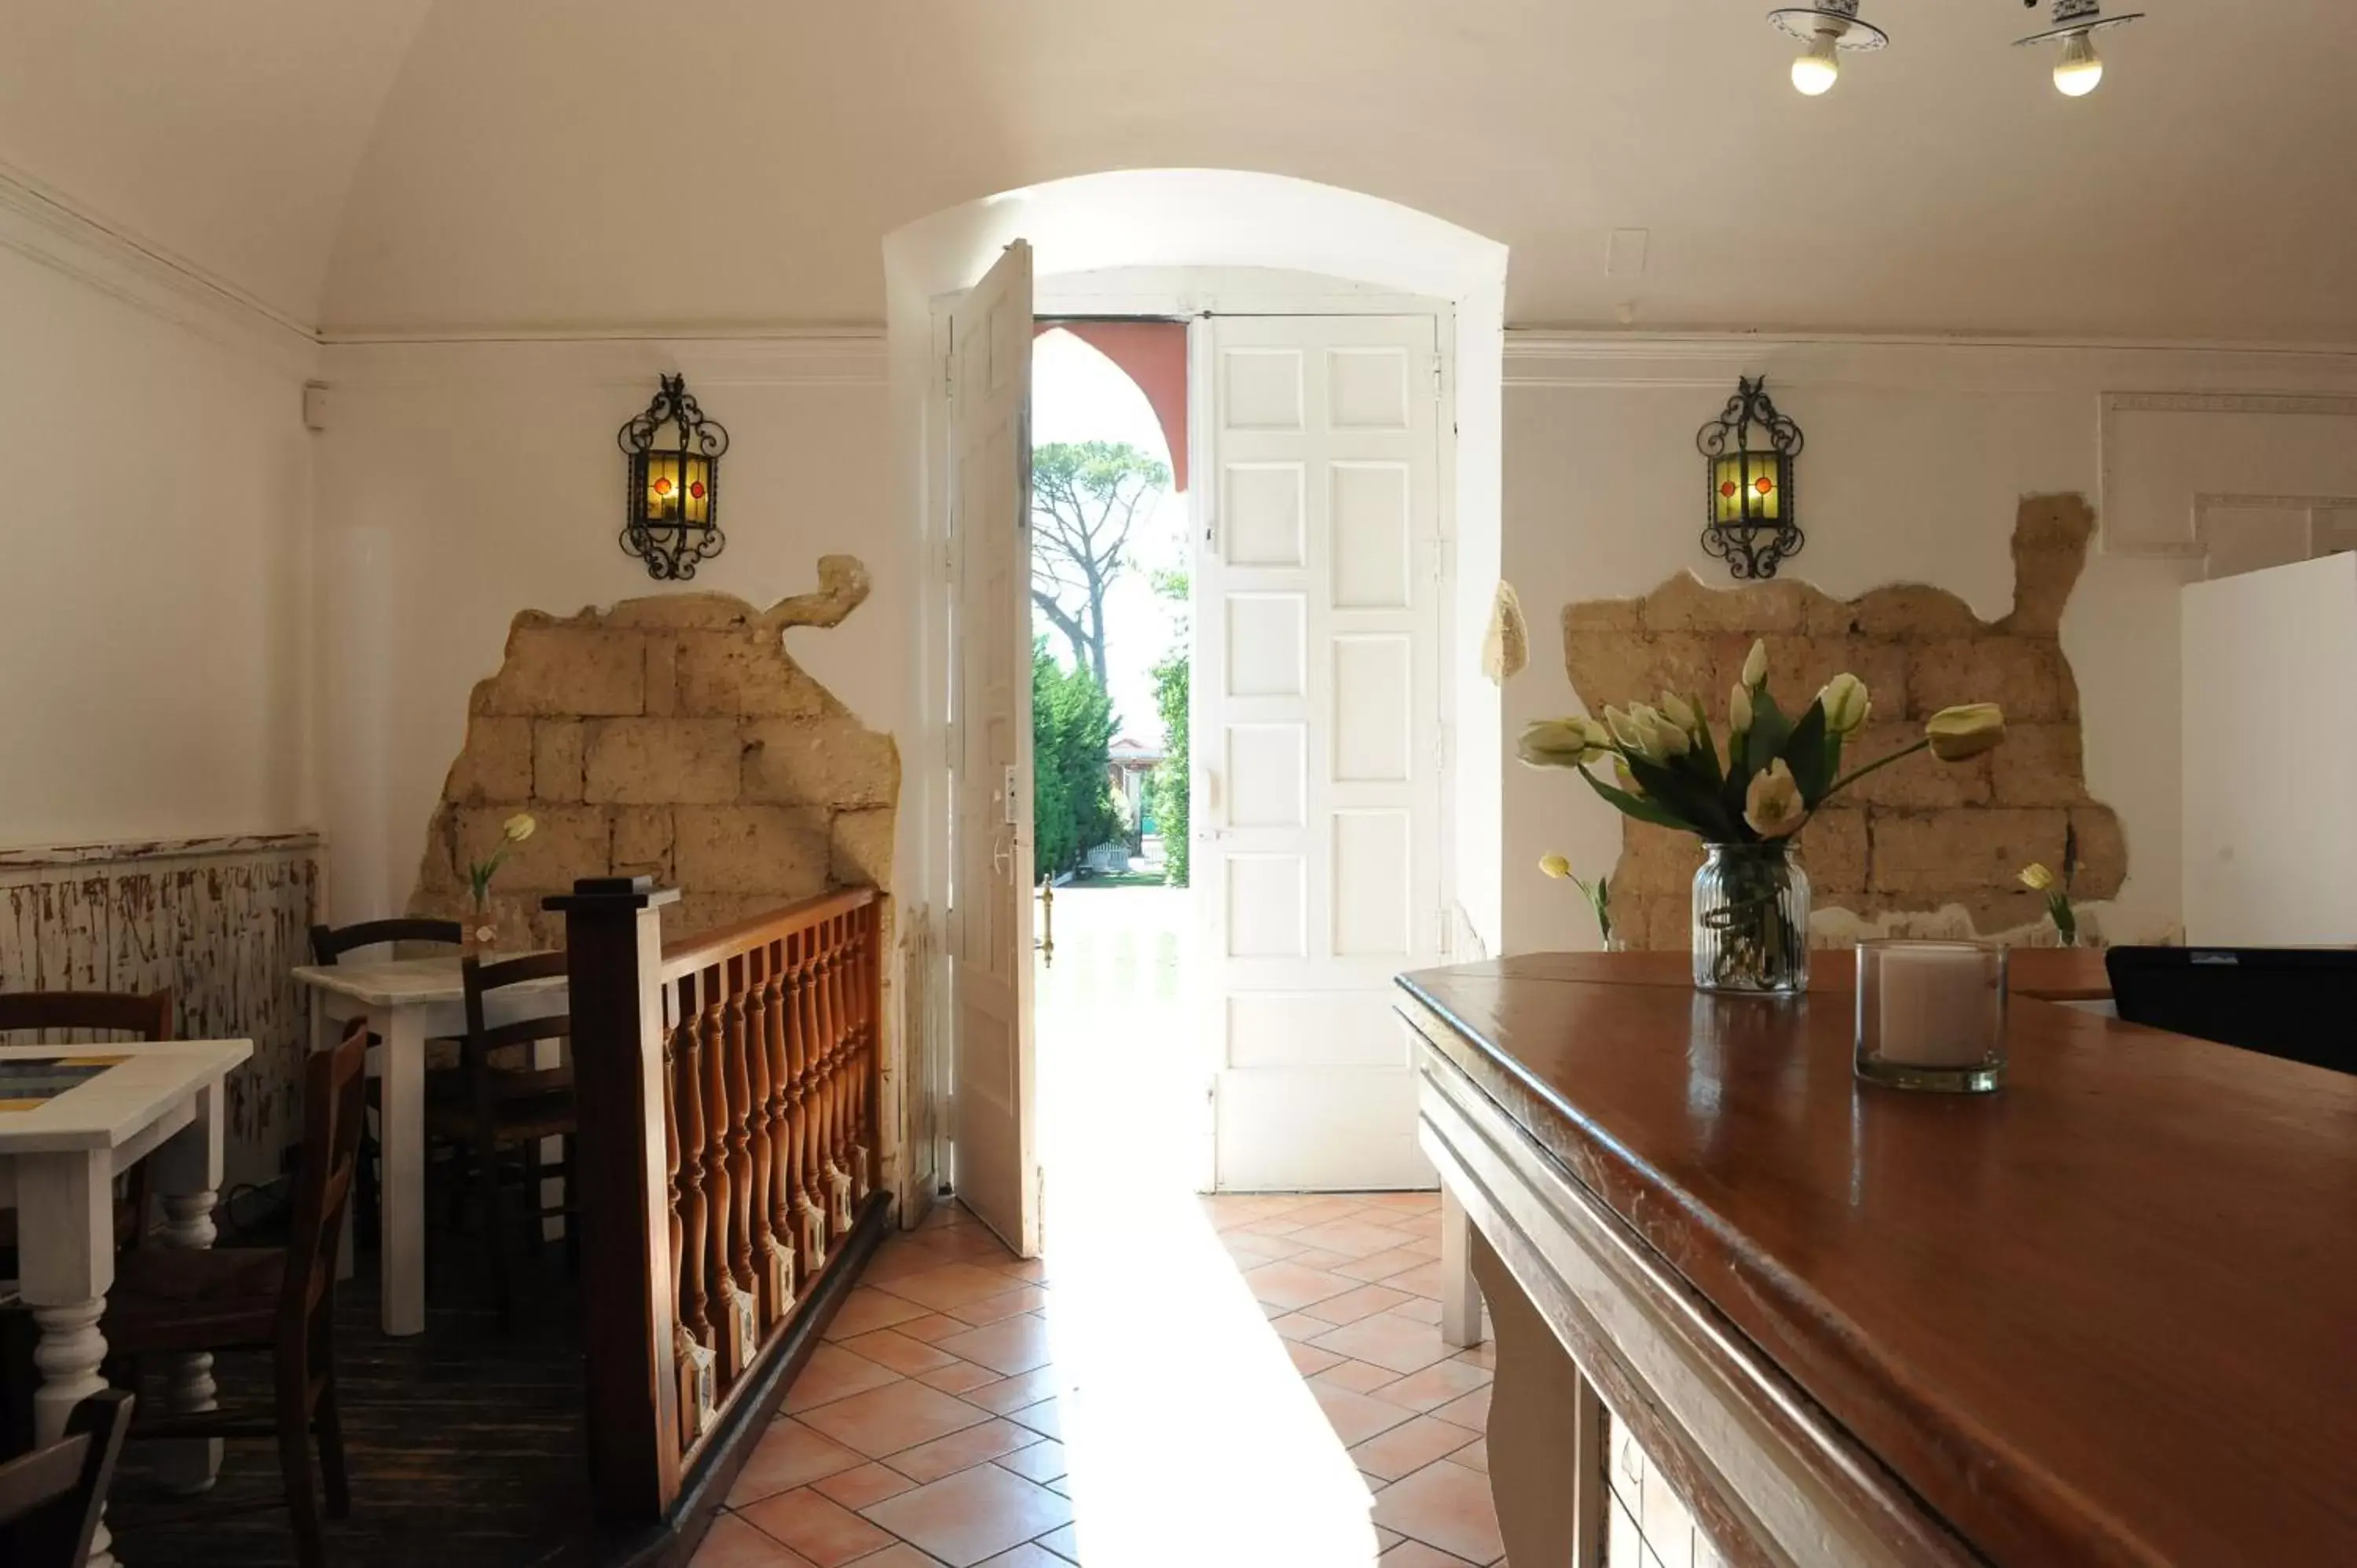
(928, 1430)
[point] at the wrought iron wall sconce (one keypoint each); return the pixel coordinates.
(672, 507)
(1754, 520)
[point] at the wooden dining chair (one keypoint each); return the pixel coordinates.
(510, 1103)
(50, 1498)
(145, 1017)
(329, 946)
(280, 1299)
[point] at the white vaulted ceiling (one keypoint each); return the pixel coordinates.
(409, 165)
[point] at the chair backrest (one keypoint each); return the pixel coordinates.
(481, 979)
(330, 943)
(54, 1493)
(335, 1108)
(142, 1016)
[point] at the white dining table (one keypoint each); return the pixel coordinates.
(407, 1001)
(159, 1102)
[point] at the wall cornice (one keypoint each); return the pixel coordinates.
(49, 227)
(764, 357)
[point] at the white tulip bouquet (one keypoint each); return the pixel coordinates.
(1777, 773)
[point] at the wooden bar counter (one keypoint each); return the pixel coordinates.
(2105, 1315)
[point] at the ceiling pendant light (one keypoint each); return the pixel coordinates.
(2076, 23)
(1830, 29)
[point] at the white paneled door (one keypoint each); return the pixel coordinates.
(993, 1067)
(1317, 741)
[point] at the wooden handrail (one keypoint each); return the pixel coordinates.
(727, 1086)
(705, 947)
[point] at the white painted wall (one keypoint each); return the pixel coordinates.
(153, 603)
(2270, 846)
(1918, 453)
(460, 483)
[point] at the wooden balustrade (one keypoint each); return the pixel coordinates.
(728, 1087)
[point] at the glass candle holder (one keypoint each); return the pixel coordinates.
(1931, 1015)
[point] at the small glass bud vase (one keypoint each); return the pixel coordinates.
(483, 929)
(1931, 1015)
(1750, 919)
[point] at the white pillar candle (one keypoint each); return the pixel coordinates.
(1939, 1006)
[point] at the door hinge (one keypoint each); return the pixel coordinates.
(949, 370)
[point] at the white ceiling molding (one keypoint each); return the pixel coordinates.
(754, 358)
(2176, 466)
(51, 229)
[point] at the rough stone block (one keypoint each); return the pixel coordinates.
(642, 843)
(774, 850)
(557, 760)
(1759, 609)
(1600, 615)
(742, 673)
(2102, 852)
(662, 676)
(496, 762)
(1911, 612)
(680, 612)
(2025, 676)
(1614, 669)
(1960, 853)
(860, 848)
(828, 762)
(2050, 550)
(1920, 783)
(1654, 861)
(2038, 765)
(674, 761)
(569, 671)
(1832, 851)
(571, 842)
(1669, 924)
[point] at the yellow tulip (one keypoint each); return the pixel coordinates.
(2036, 877)
(1772, 804)
(1563, 743)
(1680, 712)
(1628, 780)
(1847, 705)
(1739, 709)
(1957, 733)
(1555, 866)
(518, 827)
(1755, 665)
(1663, 737)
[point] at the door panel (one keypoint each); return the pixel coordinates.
(1317, 718)
(990, 832)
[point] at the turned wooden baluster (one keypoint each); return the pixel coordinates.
(738, 1086)
(838, 1182)
(756, 1054)
(718, 1195)
(801, 1019)
(777, 1190)
(675, 1041)
(863, 1068)
(687, 1119)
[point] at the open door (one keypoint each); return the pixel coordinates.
(993, 1083)
(1317, 742)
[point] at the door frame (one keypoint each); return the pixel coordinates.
(1193, 293)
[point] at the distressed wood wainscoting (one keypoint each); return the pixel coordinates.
(221, 921)
(728, 1087)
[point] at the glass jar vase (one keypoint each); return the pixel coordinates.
(1750, 919)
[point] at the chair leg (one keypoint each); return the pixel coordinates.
(487, 1164)
(531, 1184)
(329, 1424)
(294, 1465)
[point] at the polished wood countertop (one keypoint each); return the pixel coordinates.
(2106, 1316)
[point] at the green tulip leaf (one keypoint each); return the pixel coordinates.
(1805, 753)
(1689, 798)
(1770, 730)
(1636, 806)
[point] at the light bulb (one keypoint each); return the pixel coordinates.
(1816, 72)
(2080, 70)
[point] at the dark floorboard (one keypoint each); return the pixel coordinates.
(465, 1445)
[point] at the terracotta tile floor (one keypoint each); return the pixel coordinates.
(1231, 1382)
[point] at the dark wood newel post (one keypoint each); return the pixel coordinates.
(613, 942)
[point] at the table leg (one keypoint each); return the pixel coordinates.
(402, 1189)
(1546, 1435)
(188, 1172)
(1460, 1294)
(65, 1217)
